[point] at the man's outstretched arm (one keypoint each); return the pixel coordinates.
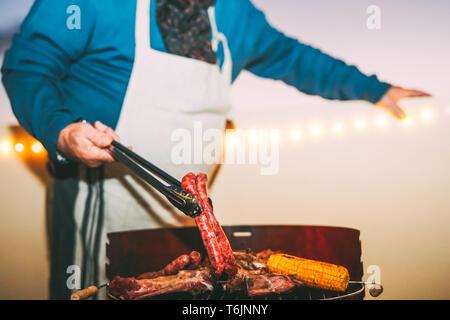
(271, 54)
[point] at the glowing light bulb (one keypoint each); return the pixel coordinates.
(253, 137)
(427, 115)
(407, 122)
(230, 141)
(316, 130)
(230, 134)
(295, 134)
(274, 135)
(5, 147)
(37, 147)
(337, 127)
(381, 122)
(360, 124)
(18, 147)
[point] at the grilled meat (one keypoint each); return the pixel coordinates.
(214, 239)
(252, 277)
(191, 261)
(192, 281)
(261, 284)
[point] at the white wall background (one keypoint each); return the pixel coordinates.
(391, 184)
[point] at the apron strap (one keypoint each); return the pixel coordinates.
(142, 27)
(219, 37)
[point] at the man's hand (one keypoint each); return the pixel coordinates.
(393, 95)
(87, 144)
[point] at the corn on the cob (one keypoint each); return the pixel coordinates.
(313, 273)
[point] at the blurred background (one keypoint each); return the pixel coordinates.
(341, 164)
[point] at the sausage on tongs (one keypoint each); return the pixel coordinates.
(186, 197)
(227, 253)
(207, 232)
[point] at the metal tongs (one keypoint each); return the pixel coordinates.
(180, 198)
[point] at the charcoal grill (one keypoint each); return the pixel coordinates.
(134, 252)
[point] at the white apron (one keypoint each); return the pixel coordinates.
(165, 92)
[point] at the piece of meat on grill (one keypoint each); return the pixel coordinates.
(238, 282)
(261, 282)
(192, 281)
(263, 256)
(254, 277)
(191, 262)
(248, 260)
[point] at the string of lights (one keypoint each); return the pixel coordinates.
(314, 130)
(360, 124)
(7, 147)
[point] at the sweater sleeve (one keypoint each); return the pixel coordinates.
(37, 63)
(271, 54)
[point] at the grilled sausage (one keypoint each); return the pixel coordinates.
(188, 184)
(194, 260)
(227, 253)
(206, 230)
(211, 244)
(172, 268)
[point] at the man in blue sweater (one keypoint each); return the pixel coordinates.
(81, 73)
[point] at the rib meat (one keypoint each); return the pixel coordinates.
(192, 281)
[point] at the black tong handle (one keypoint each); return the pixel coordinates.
(138, 159)
(180, 198)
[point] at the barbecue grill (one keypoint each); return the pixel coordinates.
(131, 253)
